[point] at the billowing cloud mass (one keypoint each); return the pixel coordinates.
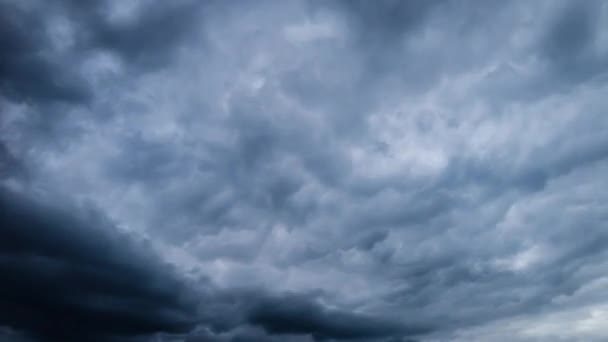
(303, 170)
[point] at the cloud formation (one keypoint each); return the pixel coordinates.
(70, 278)
(303, 170)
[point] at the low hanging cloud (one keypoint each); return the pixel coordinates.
(67, 278)
(303, 170)
(71, 275)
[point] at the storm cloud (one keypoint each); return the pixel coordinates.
(303, 170)
(66, 278)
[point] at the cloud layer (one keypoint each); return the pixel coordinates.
(303, 170)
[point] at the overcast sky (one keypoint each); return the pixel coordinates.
(193, 171)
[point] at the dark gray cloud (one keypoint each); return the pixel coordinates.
(164, 27)
(570, 39)
(28, 70)
(349, 170)
(10, 166)
(70, 275)
(39, 64)
(298, 315)
(68, 279)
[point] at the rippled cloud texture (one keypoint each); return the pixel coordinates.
(303, 170)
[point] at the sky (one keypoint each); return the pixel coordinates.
(303, 170)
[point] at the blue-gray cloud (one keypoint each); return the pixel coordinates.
(323, 170)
